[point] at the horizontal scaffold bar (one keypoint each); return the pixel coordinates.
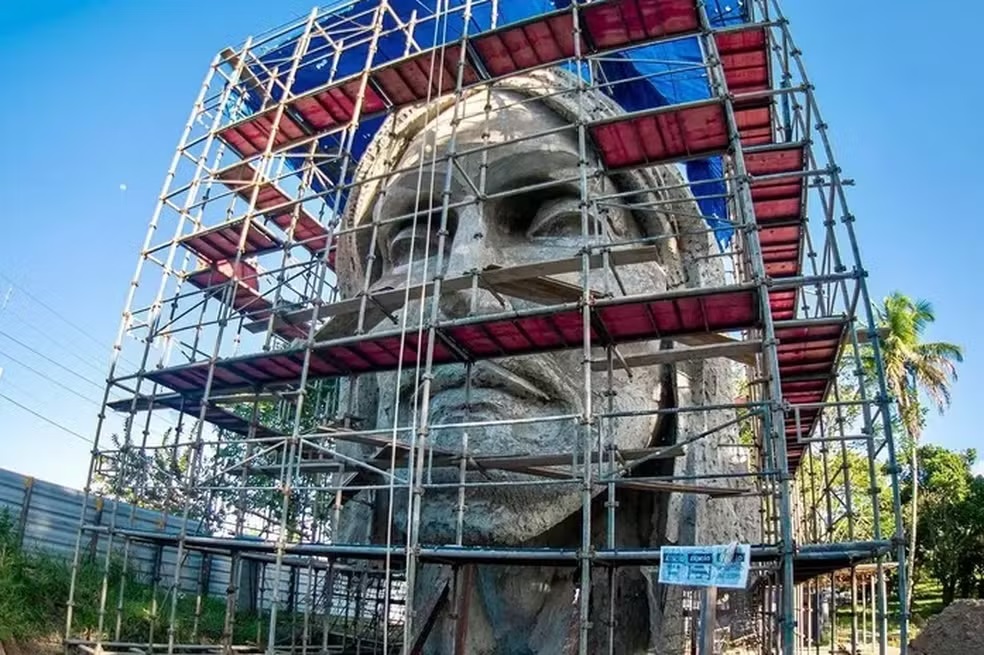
(840, 554)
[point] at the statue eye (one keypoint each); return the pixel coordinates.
(561, 217)
(413, 240)
(552, 212)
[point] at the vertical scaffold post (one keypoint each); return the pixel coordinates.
(292, 450)
(418, 446)
(841, 421)
(222, 322)
(882, 399)
(769, 350)
(156, 307)
(585, 551)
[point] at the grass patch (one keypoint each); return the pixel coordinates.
(927, 601)
(34, 589)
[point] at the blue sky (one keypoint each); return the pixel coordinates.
(96, 94)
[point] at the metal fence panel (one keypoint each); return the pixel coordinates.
(47, 515)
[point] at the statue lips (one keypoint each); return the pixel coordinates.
(525, 379)
(530, 387)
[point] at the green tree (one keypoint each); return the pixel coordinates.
(914, 369)
(951, 519)
(975, 547)
(235, 478)
(846, 482)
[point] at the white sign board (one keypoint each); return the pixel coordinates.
(705, 566)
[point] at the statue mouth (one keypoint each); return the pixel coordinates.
(449, 407)
(532, 380)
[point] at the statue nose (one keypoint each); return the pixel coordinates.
(469, 302)
(470, 252)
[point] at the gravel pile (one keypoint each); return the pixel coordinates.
(957, 630)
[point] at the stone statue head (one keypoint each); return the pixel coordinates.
(533, 117)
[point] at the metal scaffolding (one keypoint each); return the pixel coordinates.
(307, 272)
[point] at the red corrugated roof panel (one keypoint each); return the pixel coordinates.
(527, 45)
(615, 321)
(783, 304)
(754, 121)
(246, 297)
(252, 135)
(662, 135)
(625, 22)
(745, 59)
(222, 241)
(426, 75)
(272, 200)
(778, 204)
(336, 104)
(807, 357)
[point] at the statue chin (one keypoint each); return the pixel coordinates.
(505, 516)
(501, 508)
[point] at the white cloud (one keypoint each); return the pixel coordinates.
(978, 468)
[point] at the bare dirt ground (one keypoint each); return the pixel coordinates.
(869, 649)
(957, 630)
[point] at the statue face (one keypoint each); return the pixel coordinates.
(517, 229)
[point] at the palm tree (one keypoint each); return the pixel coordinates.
(914, 369)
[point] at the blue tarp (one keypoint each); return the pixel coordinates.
(670, 72)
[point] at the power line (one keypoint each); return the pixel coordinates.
(56, 313)
(101, 369)
(100, 386)
(6, 382)
(86, 361)
(49, 378)
(52, 361)
(95, 403)
(46, 419)
(65, 320)
(159, 420)
(113, 392)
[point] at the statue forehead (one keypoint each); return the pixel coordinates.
(500, 116)
(532, 120)
(531, 117)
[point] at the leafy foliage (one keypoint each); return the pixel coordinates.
(911, 365)
(951, 525)
(848, 479)
(914, 369)
(207, 478)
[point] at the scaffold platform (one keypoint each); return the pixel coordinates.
(615, 321)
